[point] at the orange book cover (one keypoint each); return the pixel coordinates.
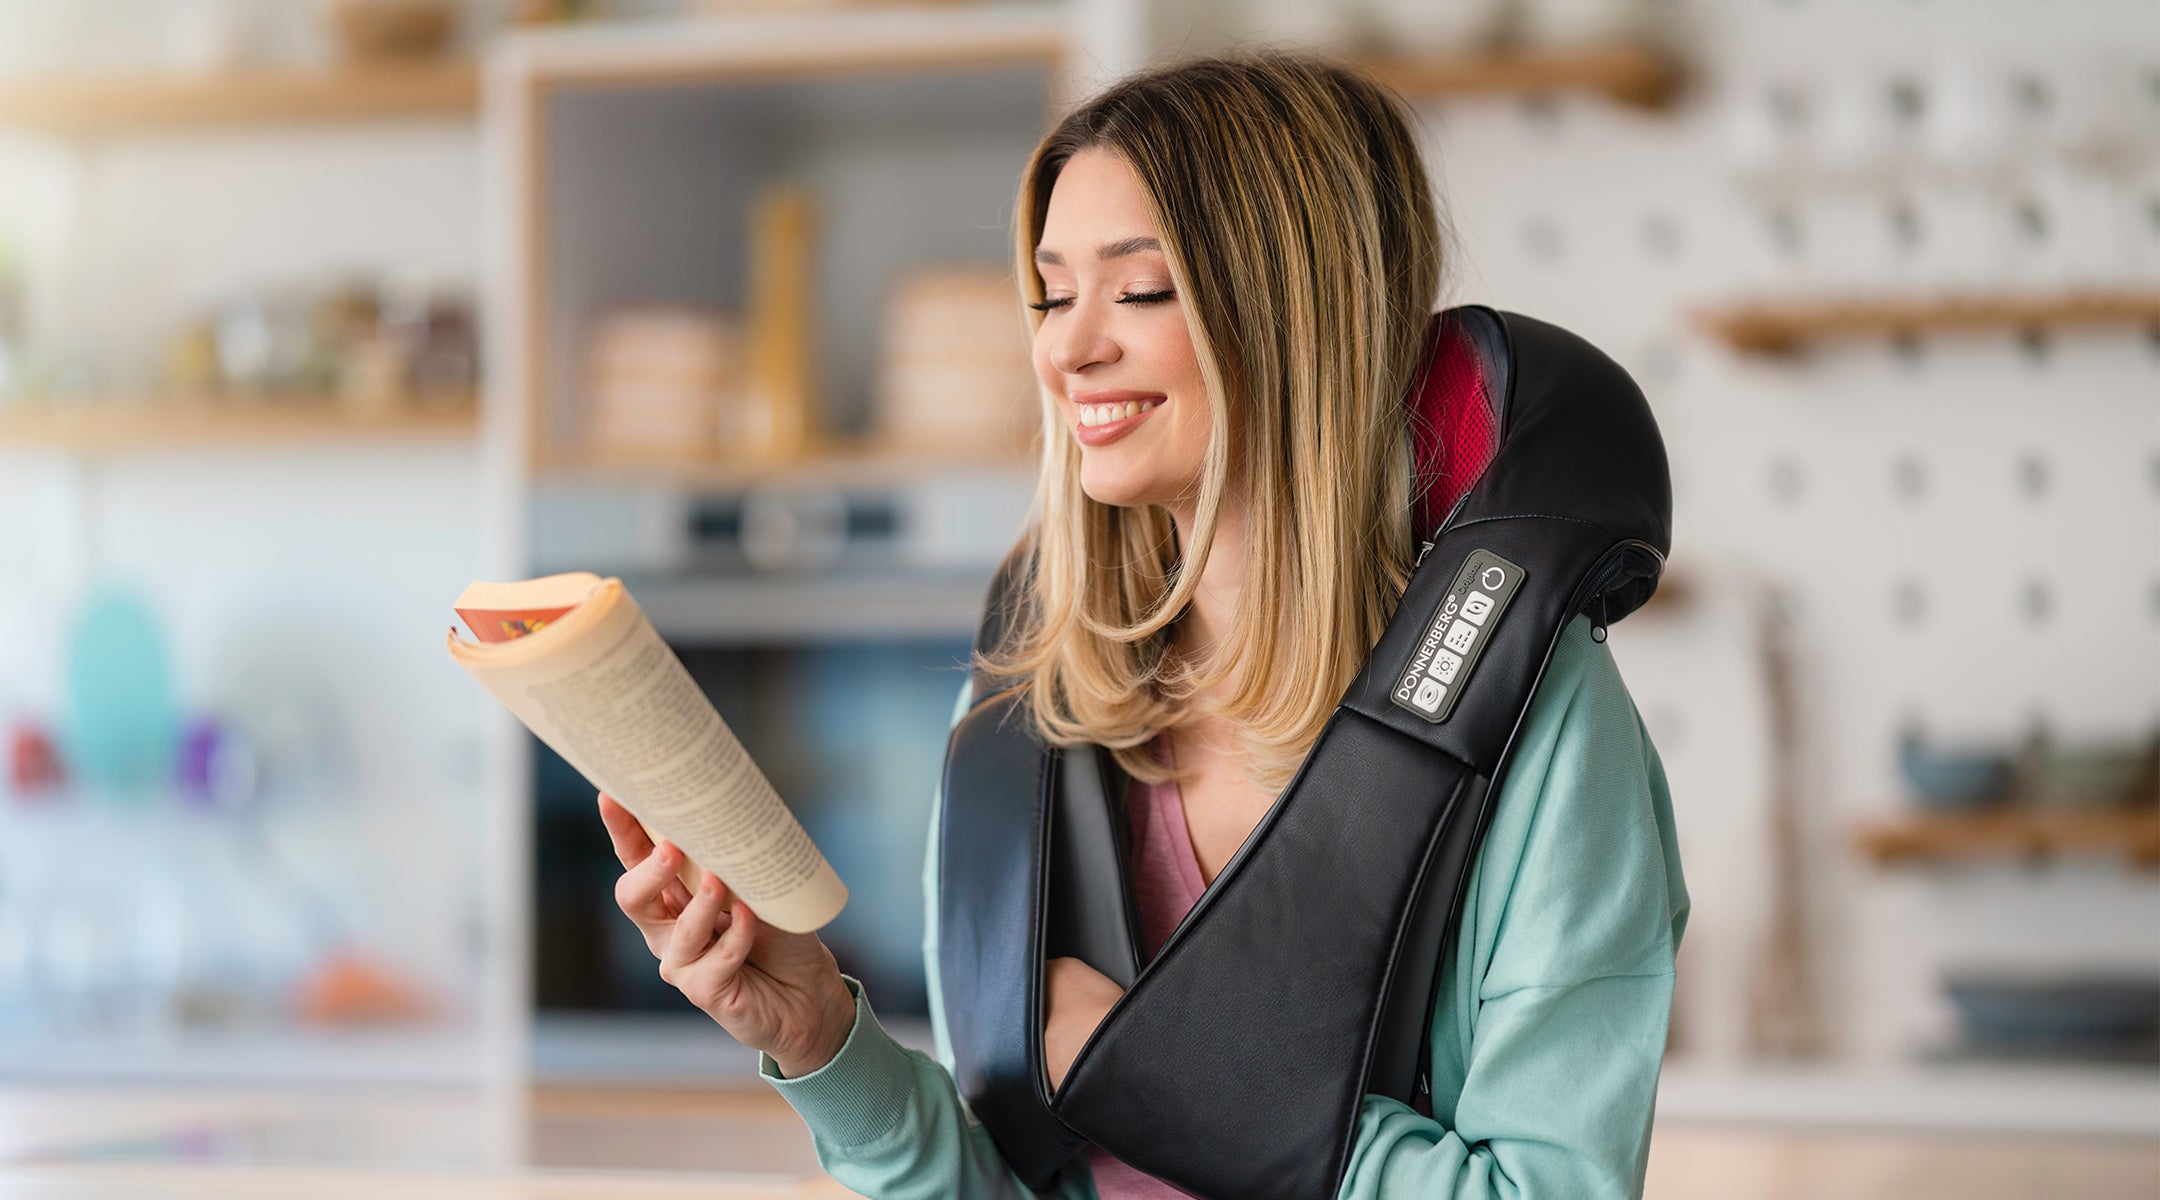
(508, 625)
(505, 612)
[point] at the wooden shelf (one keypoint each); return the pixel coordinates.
(1635, 76)
(115, 104)
(2023, 833)
(1783, 327)
(108, 426)
(837, 463)
(814, 41)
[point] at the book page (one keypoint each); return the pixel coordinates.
(604, 690)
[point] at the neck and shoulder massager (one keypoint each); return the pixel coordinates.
(1235, 1064)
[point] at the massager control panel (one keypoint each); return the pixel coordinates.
(1440, 666)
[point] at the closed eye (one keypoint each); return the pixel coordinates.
(1136, 298)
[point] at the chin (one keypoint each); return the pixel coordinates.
(1105, 484)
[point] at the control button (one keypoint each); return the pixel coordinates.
(1444, 666)
(1459, 637)
(1477, 608)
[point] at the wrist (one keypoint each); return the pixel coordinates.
(834, 1027)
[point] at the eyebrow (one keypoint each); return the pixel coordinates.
(1108, 250)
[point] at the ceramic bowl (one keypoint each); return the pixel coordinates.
(1945, 777)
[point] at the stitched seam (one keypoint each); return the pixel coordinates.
(1561, 987)
(1533, 516)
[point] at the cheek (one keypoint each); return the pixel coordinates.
(1039, 357)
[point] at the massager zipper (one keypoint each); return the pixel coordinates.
(1610, 566)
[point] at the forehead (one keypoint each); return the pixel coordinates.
(1097, 198)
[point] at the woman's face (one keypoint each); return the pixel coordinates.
(1113, 350)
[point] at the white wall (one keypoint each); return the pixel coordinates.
(1562, 210)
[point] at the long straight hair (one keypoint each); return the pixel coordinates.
(1300, 230)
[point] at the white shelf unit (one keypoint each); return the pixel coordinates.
(133, 459)
(637, 158)
(624, 160)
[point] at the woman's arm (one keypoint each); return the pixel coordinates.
(1556, 996)
(888, 1121)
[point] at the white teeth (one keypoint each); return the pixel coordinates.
(1103, 414)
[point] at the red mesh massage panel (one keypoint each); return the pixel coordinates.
(1453, 422)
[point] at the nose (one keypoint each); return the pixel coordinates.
(1078, 339)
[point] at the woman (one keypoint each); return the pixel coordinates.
(1230, 264)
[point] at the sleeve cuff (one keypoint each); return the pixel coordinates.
(862, 1094)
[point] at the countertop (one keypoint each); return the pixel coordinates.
(643, 1143)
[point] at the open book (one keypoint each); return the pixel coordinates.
(574, 657)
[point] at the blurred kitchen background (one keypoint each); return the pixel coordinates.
(313, 312)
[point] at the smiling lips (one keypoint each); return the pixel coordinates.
(1107, 416)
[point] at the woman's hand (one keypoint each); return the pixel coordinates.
(772, 990)
(1079, 998)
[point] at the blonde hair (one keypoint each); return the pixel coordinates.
(1294, 209)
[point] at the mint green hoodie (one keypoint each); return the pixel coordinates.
(1548, 1027)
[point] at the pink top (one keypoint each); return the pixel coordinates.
(1166, 882)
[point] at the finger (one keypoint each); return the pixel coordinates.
(674, 897)
(693, 931)
(631, 842)
(727, 894)
(676, 893)
(723, 958)
(649, 892)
